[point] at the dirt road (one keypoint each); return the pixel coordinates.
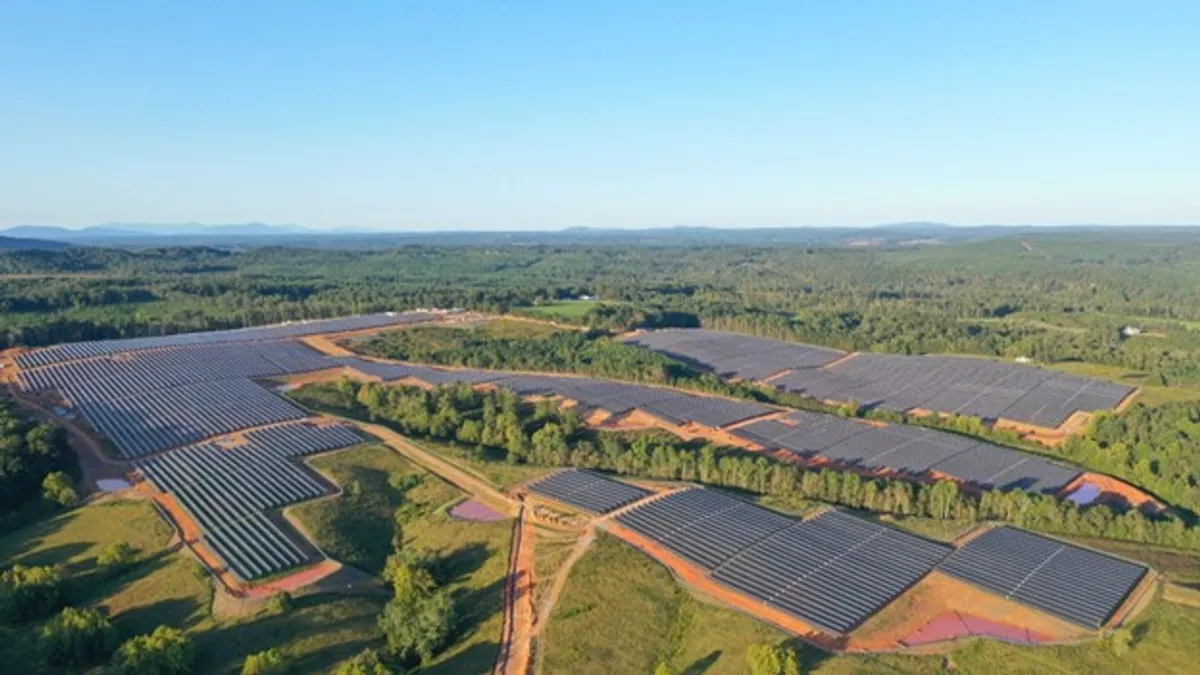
(456, 476)
(520, 617)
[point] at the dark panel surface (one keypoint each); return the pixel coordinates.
(1077, 584)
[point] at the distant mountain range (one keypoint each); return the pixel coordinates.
(243, 235)
(27, 244)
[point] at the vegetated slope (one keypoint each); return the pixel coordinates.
(356, 527)
(474, 555)
(622, 612)
(168, 587)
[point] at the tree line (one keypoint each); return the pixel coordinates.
(498, 424)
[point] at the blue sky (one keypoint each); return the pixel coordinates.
(487, 115)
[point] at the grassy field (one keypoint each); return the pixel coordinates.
(567, 309)
(494, 470)
(621, 612)
(475, 555)
(357, 530)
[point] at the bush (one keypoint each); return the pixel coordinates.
(118, 557)
(269, 662)
(280, 603)
(77, 637)
(57, 487)
(166, 651)
(365, 663)
(772, 660)
(29, 592)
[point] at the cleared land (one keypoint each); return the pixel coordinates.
(613, 608)
(474, 554)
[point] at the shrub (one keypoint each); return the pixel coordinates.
(269, 662)
(29, 592)
(166, 651)
(57, 487)
(77, 637)
(365, 663)
(118, 557)
(772, 660)
(280, 603)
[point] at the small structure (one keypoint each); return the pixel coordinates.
(1130, 331)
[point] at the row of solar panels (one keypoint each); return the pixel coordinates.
(979, 387)
(832, 571)
(119, 375)
(908, 450)
(734, 355)
(146, 423)
(961, 385)
(228, 491)
(81, 350)
(835, 570)
(588, 491)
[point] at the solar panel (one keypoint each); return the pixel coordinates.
(1080, 585)
(832, 571)
(587, 490)
(979, 387)
(228, 491)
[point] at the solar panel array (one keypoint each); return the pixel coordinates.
(117, 375)
(228, 491)
(82, 350)
(735, 355)
(588, 491)
(1082, 586)
(979, 387)
(140, 424)
(615, 397)
(908, 450)
(704, 526)
(832, 571)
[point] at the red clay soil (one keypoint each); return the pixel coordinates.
(937, 594)
(520, 620)
(1115, 491)
(293, 582)
(955, 625)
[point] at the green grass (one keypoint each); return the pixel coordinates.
(475, 555)
(357, 530)
(494, 470)
(567, 309)
(622, 612)
(930, 528)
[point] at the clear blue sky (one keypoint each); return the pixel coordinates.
(497, 115)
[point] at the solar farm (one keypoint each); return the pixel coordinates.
(1080, 585)
(228, 491)
(588, 491)
(220, 451)
(907, 450)
(987, 389)
(833, 571)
